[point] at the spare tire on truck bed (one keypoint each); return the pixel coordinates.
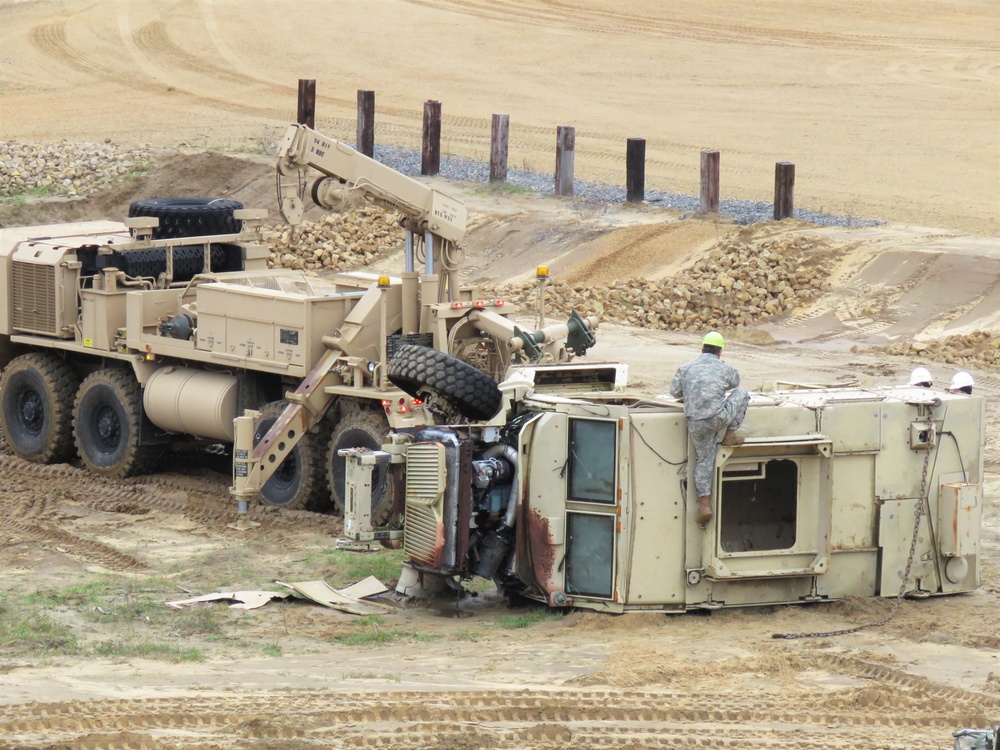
(474, 393)
(189, 217)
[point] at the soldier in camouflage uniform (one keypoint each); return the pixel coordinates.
(702, 384)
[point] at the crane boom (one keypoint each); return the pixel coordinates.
(346, 171)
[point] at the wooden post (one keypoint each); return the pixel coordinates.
(430, 155)
(709, 182)
(366, 123)
(565, 149)
(635, 170)
(498, 148)
(784, 190)
(307, 102)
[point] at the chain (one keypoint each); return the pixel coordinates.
(918, 512)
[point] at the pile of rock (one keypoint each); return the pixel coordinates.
(336, 242)
(735, 285)
(976, 349)
(67, 168)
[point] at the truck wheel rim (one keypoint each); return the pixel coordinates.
(108, 427)
(31, 409)
(286, 473)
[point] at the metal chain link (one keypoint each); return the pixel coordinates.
(917, 514)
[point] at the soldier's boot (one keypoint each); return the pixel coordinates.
(733, 438)
(704, 510)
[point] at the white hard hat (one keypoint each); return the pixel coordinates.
(920, 375)
(961, 380)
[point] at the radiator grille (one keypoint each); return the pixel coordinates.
(425, 479)
(34, 298)
(424, 474)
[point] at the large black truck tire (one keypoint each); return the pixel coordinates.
(473, 393)
(300, 482)
(189, 217)
(107, 420)
(361, 428)
(36, 407)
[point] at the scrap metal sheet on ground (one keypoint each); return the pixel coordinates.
(323, 593)
(349, 599)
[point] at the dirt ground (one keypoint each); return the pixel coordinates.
(889, 111)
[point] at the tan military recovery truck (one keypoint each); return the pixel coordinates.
(118, 340)
(578, 493)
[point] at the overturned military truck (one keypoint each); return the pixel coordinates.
(578, 493)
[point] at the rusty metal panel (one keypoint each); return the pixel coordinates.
(545, 444)
(960, 511)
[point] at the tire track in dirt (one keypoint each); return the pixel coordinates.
(39, 493)
(153, 41)
(50, 39)
(884, 675)
(70, 544)
(557, 718)
(733, 31)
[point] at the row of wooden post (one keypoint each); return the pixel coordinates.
(635, 153)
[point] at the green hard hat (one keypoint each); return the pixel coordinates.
(714, 339)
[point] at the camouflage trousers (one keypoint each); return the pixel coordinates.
(705, 435)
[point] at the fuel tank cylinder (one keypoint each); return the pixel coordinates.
(194, 402)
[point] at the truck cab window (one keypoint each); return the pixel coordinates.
(591, 461)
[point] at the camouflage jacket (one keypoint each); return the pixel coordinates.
(703, 383)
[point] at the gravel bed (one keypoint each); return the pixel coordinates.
(461, 169)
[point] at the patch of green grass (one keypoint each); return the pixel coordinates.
(88, 593)
(368, 637)
(524, 619)
(426, 637)
(272, 650)
(371, 632)
(137, 169)
(143, 648)
(349, 567)
(27, 631)
(467, 635)
(203, 621)
(36, 191)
